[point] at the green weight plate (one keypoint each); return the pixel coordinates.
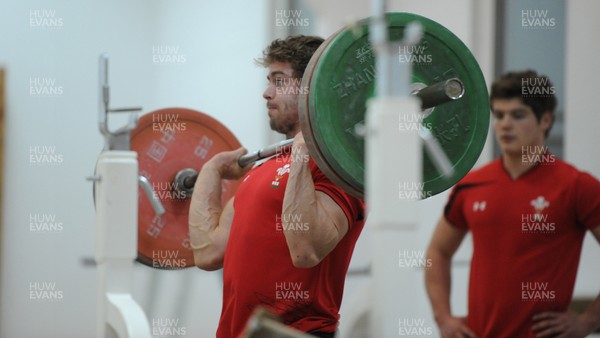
(341, 78)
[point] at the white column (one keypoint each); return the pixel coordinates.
(116, 199)
(393, 214)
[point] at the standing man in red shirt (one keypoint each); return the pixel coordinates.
(528, 213)
(285, 240)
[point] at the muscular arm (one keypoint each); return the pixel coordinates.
(444, 243)
(209, 223)
(326, 222)
(569, 324)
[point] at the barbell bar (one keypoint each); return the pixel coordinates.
(430, 96)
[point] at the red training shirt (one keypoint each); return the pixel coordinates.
(527, 237)
(258, 269)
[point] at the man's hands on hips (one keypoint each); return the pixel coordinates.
(561, 325)
(226, 164)
(455, 327)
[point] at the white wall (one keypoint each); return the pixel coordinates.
(582, 119)
(581, 71)
(219, 77)
(67, 54)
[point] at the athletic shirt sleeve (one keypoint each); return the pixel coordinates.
(352, 207)
(453, 212)
(587, 200)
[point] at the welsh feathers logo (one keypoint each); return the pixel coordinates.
(280, 172)
(539, 204)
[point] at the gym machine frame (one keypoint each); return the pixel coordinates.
(116, 200)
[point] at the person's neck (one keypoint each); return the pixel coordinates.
(516, 164)
(292, 133)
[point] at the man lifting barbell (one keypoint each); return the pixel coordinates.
(302, 217)
(337, 82)
(528, 213)
(285, 240)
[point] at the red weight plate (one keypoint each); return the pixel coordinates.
(168, 140)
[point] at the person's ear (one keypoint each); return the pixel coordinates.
(546, 120)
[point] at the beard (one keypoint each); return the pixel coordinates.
(283, 126)
(285, 121)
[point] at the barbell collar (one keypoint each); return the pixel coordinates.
(440, 93)
(184, 181)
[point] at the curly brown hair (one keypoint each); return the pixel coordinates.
(534, 90)
(297, 50)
